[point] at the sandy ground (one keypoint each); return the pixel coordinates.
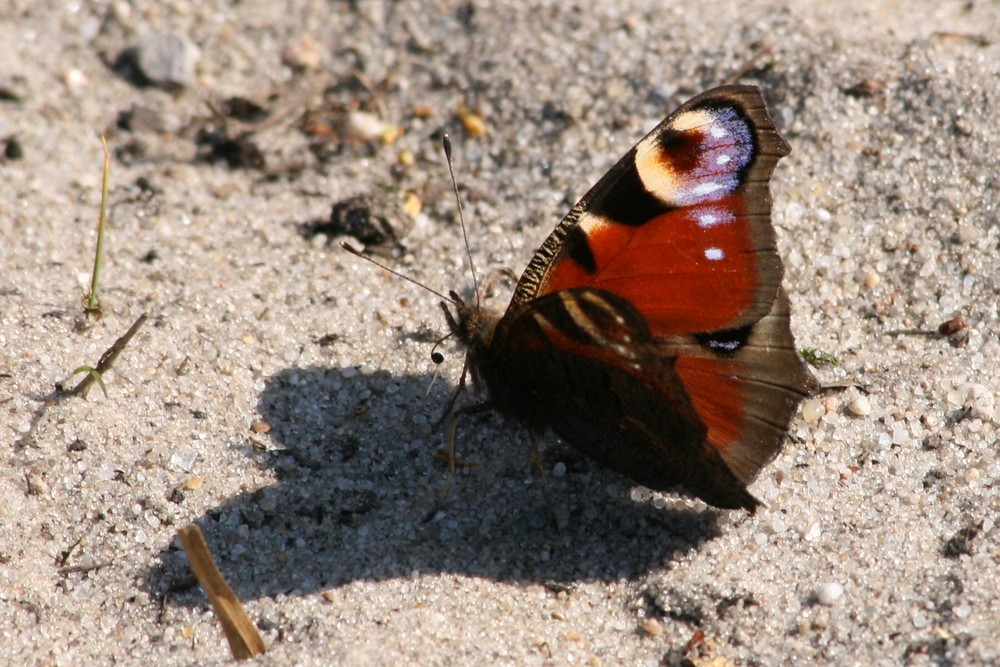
(282, 395)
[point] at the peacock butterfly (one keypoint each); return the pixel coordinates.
(650, 330)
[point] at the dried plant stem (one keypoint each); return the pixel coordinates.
(107, 360)
(244, 640)
(92, 303)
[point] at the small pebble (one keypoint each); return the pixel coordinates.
(164, 59)
(36, 484)
(860, 406)
(982, 403)
(829, 592)
(268, 502)
(652, 627)
(379, 222)
(260, 426)
(193, 483)
(74, 79)
(365, 126)
(812, 533)
(813, 411)
(473, 123)
(412, 204)
(139, 118)
(184, 460)
(303, 54)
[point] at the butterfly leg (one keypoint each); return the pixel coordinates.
(450, 454)
(495, 276)
(539, 463)
(454, 397)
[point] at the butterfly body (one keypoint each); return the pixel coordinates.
(650, 330)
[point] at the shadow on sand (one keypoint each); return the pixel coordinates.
(353, 455)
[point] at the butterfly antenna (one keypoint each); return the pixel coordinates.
(357, 253)
(446, 141)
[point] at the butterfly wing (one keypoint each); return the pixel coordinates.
(650, 329)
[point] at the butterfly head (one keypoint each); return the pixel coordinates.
(472, 324)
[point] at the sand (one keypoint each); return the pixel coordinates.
(281, 393)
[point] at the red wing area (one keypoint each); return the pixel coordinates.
(680, 227)
(717, 393)
(581, 363)
(693, 269)
(662, 412)
(746, 398)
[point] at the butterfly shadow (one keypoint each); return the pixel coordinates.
(353, 455)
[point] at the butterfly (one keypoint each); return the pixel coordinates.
(650, 330)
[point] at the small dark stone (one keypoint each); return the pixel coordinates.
(266, 624)
(239, 152)
(866, 88)
(956, 330)
(378, 222)
(146, 186)
(130, 152)
(77, 445)
(140, 119)
(960, 544)
(242, 109)
(13, 150)
(327, 340)
(8, 94)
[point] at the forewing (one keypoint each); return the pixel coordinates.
(680, 227)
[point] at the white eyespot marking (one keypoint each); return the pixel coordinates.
(725, 346)
(705, 188)
(706, 220)
(698, 157)
(714, 254)
(711, 217)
